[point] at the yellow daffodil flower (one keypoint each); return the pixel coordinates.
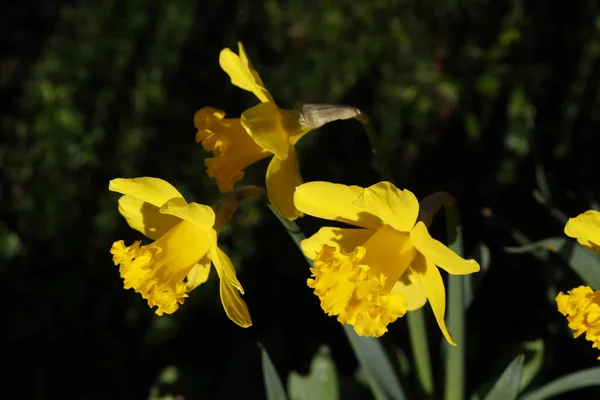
(262, 131)
(373, 275)
(185, 245)
(586, 229)
(581, 306)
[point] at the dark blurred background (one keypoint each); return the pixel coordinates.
(488, 100)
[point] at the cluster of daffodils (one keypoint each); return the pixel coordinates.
(367, 275)
(581, 305)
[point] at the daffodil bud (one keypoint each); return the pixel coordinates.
(314, 116)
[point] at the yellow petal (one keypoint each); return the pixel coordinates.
(439, 254)
(431, 204)
(283, 176)
(339, 238)
(334, 202)
(396, 208)
(151, 190)
(198, 214)
(414, 294)
(242, 74)
(224, 268)
(199, 274)
(389, 252)
(234, 306)
(233, 149)
(431, 281)
(145, 218)
(271, 127)
(585, 228)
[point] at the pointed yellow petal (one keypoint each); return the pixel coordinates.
(234, 306)
(396, 208)
(282, 178)
(585, 228)
(199, 274)
(334, 202)
(345, 239)
(414, 294)
(271, 128)
(242, 74)
(439, 254)
(431, 281)
(151, 190)
(233, 149)
(198, 214)
(145, 217)
(225, 268)
(431, 204)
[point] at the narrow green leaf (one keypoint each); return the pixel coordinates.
(508, 384)
(321, 382)
(379, 370)
(583, 261)
(534, 359)
(273, 385)
(576, 380)
(377, 367)
(455, 355)
(420, 348)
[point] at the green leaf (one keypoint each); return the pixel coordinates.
(534, 359)
(508, 384)
(576, 380)
(455, 355)
(420, 349)
(273, 385)
(321, 382)
(583, 261)
(377, 367)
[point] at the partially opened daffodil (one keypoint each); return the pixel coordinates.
(262, 131)
(371, 275)
(581, 305)
(185, 245)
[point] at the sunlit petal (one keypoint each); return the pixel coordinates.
(396, 208)
(334, 202)
(145, 217)
(242, 74)
(151, 190)
(283, 176)
(439, 254)
(225, 268)
(585, 228)
(198, 214)
(234, 306)
(415, 295)
(431, 282)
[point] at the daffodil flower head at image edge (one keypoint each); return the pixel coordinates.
(371, 275)
(262, 131)
(581, 305)
(185, 245)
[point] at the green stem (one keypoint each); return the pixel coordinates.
(418, 341)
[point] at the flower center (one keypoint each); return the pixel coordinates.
(157, 271)
(581, 306)
(354, 292)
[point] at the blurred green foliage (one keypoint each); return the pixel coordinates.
(487, 100)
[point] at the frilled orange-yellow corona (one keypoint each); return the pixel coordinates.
(373, 274)
(185, 245)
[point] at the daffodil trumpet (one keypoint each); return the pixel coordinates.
(264, 130)
(370, 275)
(184, 248)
